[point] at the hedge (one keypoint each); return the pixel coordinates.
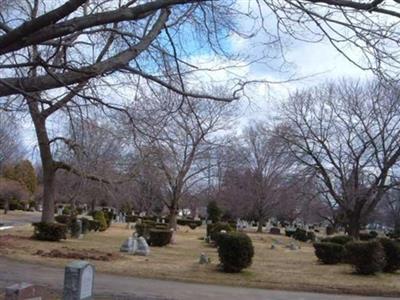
(131, 219)
(235, 251)
(368, 236)
(99, 216)
(53, 232)
(366, 257)
(392, 254)
(329, 253)
(94, 225)
(338, 239)
(160, 237)
(303, 235)
(193, 224)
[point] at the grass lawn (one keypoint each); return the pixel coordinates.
(278, 268)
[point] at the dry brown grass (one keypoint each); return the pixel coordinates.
(277, 269)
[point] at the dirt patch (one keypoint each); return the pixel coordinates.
(7, 240)
(82, 254)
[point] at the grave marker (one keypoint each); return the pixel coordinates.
(78, 281)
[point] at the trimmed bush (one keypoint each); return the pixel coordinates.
(366, 257)
(108, 216)
(99, 216)
(329, 253)
(131, 219)
(94, 225)
(63, 219)
(213, 211)
(300, 235)
(395, 234)
(338, 239)
(214, 229)
(161, 226)
(143, 229)
(66, 211)
(289, 232)
(53, 232)
(160, 237)
(193, 224)
(149, 218)
(392, 254)
(368, 236)
(275, 230)
(373, 233)
(235, 251)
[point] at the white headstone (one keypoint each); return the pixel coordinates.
(142, 247)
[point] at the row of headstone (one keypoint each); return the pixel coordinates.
(78, 285)
(242, 225)
(120, 217)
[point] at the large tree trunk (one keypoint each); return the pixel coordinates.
(173, 212)
(354, 225)
(172, 219)
(49, 170)
(48, 192)
(261, 222)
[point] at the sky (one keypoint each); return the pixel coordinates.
(309, 63)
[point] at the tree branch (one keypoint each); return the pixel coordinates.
(12, 86)
(38, 23)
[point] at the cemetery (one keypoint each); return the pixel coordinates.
(279, 261)
(202, 149)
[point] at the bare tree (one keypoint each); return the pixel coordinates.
(178, 135)
(259, 173)
(12, 190)
(349, 134)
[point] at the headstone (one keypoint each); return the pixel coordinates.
(77, 229)
(78, 281)
(59, 211)
(79, 234)
(142, 247)
(204, 259)
(127, 245)
(22, 291)
(293, 246)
